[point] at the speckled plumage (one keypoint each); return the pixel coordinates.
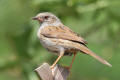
(59, 39)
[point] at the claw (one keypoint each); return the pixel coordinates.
(51, 67)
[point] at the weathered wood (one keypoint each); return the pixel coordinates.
(58, 73)
(44, 72)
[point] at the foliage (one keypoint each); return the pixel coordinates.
(96, 20)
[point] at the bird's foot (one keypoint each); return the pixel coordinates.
(68, 67)
(52, 67)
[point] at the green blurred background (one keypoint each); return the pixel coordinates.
(98, 21)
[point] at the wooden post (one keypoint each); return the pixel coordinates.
(58, 73)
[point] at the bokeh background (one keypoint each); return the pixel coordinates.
(98, 21)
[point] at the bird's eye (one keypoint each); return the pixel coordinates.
(46, 17)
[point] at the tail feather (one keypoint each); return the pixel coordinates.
(87, 51)
(100, 59)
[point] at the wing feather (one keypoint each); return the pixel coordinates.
(62, 32)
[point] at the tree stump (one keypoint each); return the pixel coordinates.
(46, 73)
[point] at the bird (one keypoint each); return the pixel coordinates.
(61, 40)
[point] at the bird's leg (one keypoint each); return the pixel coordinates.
(69, 67)
(61, 54)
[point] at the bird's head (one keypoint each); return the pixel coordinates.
(46, 17)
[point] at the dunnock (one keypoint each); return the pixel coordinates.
(61, 40)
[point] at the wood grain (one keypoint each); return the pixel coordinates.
(58, 73)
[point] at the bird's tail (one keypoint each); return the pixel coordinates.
(89, 52)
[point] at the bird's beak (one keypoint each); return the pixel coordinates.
(36, 18)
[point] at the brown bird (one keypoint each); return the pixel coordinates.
(61, 40)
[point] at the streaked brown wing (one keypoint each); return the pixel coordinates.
(62, 32)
